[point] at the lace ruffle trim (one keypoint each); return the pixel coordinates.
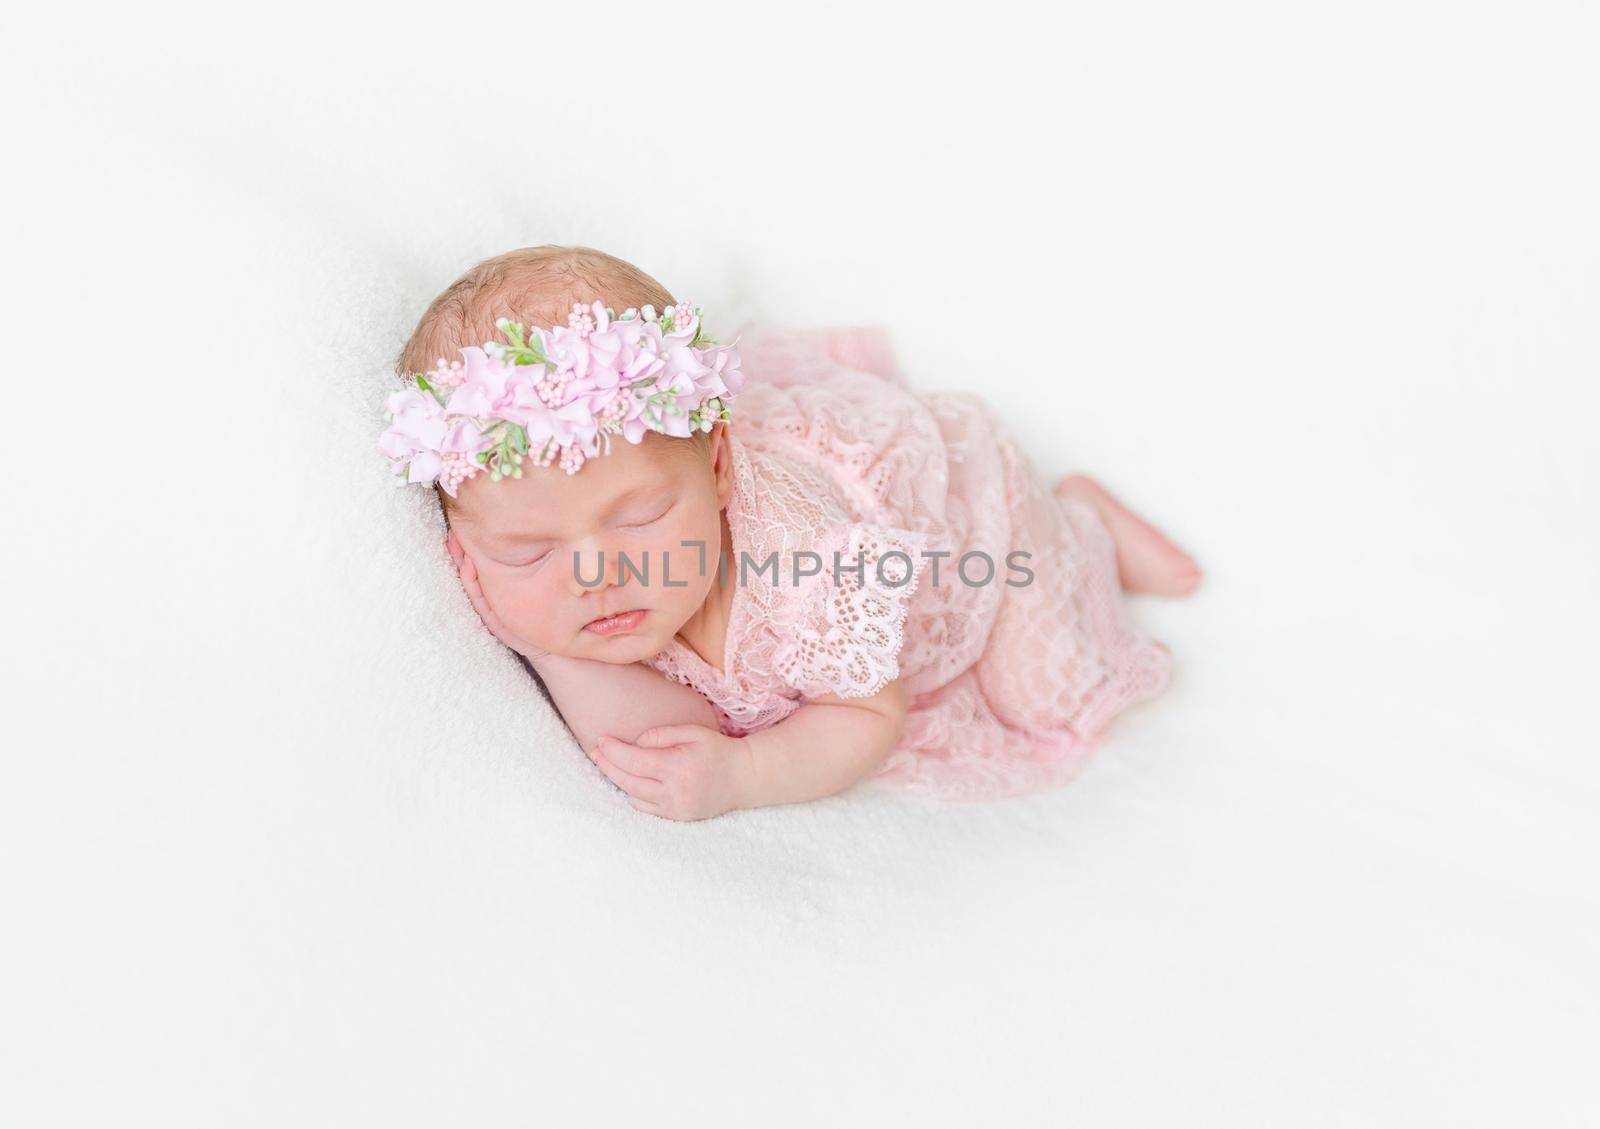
(864, 609)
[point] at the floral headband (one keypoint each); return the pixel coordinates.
(560, 394)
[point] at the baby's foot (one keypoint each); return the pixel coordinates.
(1147, 561)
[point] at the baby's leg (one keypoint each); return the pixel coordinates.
(1063, 652)
(1147, 561)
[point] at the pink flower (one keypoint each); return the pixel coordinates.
(456, 468)
(566, 349)
(484, 384)
(623, 353)
(416, 431)
(584, 320)
(722, 376)
(684, 319)
(586, 384)
(421, 434)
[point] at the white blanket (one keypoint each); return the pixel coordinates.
(289, 840)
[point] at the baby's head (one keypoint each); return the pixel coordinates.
(537, 540)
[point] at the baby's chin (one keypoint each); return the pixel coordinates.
(619, 653)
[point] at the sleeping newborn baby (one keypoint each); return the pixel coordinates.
(758, 572)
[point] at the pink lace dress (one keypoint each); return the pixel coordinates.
(837, 459)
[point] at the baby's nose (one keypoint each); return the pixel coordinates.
(596, 568)
(592, 571)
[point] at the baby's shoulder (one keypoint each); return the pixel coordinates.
(830, 591)
(783, 500)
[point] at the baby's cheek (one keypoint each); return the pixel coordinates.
(680, 564)
(532, 607)
(693, 548)
(688, 575)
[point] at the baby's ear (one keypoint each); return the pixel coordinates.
(722, 462)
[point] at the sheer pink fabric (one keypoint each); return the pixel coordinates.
(833, 453)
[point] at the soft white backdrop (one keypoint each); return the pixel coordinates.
(286, 840)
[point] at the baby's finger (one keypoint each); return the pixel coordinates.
(644, 763)
(645, 806)
(666, 736)
(480, 604)
(637, 787)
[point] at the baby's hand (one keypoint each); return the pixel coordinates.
(679, 771)
(467, 570)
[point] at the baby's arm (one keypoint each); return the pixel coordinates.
(623, 699)
(694, 772)
(824, 747)
(592, 697)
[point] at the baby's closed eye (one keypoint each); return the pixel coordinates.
(641, 522)
(530, 559)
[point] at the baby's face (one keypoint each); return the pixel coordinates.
(538, 542)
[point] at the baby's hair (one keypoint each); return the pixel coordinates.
(532, 285)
